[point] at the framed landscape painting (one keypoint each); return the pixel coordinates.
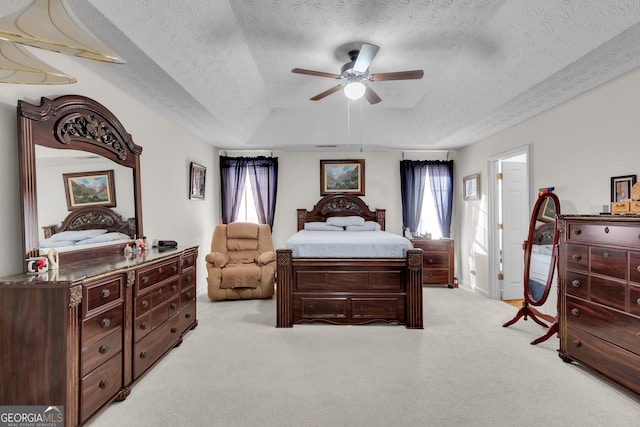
(197, 180)
(89, 189)
(342, 176)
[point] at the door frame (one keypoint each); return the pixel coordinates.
(493, 162)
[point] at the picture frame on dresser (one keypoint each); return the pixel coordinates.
(621, 188)
(342, 176)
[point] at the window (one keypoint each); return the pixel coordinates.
(247, 211)
(428, 218)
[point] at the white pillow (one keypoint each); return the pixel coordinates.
(344, 221)
(368, 226)
(48, 243)
(107, 237)
(321, 226)
(76, 235)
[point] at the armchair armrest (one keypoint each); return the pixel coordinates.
(266, 258)
(218, 259)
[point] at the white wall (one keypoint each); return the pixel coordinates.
(576, 148)
(167, 152)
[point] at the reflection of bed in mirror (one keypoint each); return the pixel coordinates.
(88, 228)
(338, 287)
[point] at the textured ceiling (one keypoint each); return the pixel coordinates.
(222, 68)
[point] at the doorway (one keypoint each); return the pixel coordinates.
(508, 222)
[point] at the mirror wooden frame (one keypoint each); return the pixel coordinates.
(539, 214)
(70, 122)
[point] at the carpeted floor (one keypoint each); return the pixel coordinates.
(463, 369)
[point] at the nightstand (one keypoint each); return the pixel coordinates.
(437, 266)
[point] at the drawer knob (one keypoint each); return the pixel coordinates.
(638, 267)
(145, 304)
(606, 254)
(188, 294)
(173, 306)
(188, 278)
(575, 312)
(430, 260)
(187, 315)
(145, 280)
(606, 229)
(105, 293)
(174, 330)
(174, 288)
(174, 268)
(103, 349)
(577, 232)
(576, 283)
(577, 343)
(189, 261)
(576, 257)
(144, 325)
(143, 354)
(105, 323)
(638, 301)
(104, 383)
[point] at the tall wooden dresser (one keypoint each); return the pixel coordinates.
(599, 301)
(437, 264)
(80, 336)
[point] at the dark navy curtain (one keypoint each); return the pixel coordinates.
(441, 180)
(263, 175)
(413, 174)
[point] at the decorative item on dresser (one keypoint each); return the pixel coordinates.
(348, 290)
(82, 335)
(599, 299)
(437, 261)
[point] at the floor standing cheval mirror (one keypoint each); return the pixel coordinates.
(540, 258)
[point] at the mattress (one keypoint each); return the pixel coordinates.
(348, 244)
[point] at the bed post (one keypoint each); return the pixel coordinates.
(414, 289)
(284, 295)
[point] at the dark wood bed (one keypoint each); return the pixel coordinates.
(348, 291)
(93, 217)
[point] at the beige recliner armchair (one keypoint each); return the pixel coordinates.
(242, 262)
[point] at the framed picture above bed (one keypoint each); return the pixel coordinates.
(85, 189)
(342, 176)
(197, 180)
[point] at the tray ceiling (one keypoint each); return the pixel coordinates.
(222, 69)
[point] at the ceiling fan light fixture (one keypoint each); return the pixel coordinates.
(51, 25)
(355, 89)
(18, 66)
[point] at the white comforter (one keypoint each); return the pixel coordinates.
(348, 244)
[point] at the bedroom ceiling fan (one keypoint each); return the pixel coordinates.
(354, 73)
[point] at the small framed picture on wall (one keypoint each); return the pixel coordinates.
(196, 181)
(470, 187)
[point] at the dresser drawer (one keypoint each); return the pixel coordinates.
(610, 360)
(609, 262)
(362, 279)
(187, 295)
(634, 267)
(435, 276)
(154, 345)
(188, 278)
(608, 292)
(311, 308)
(101, 324)
(435, 260)
(634, 300)
(377, 308)
(578, 257)
(98, 294)
(101, 351)
(188, 261)
(150, 276)
(610, 325)
(619, 234)
(100, 386)
(577, 284)
(187, 316)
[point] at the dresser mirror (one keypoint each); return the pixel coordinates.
(67, 135)
(540, 259)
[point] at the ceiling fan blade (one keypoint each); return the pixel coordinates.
(315, 73)
(365, 56)
(328, 92)
(371, 96)
(400, 75)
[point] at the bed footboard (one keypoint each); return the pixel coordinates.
(349, 291)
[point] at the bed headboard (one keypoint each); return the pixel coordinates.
(93, 217)
(340, 205)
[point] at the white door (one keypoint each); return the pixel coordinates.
(515, 225)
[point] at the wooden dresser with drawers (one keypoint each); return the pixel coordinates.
(80, 336)
(599, 301)
(437, 264)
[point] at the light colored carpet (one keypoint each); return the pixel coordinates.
(463, 369)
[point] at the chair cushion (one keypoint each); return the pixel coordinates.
(237, 275)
